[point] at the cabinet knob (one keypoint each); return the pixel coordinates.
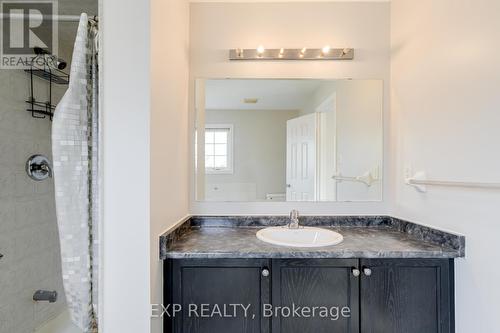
(356, 272)
(367, 271)
(265, 272)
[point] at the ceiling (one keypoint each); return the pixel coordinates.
(228, 94)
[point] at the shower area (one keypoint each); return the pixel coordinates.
(49, 179)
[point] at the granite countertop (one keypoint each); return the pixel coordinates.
(364, 237)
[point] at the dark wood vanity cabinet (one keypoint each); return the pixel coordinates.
(381, 295)
(209, 292)
(407, 295)
(324, 284)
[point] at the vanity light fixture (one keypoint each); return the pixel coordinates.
(261, 53)
(260, 50)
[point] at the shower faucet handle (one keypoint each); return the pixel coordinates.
(38, 167)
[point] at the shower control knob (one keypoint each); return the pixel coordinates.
(38, 167)
(367, 271)
(356, 272)
(265, 272)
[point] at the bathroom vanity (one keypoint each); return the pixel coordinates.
(387, 276)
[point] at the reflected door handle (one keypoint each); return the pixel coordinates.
(356, 272)
(265, 272)
(367, 271)
(288, 185)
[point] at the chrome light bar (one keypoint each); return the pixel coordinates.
(260, 53)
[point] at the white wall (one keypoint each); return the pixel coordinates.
(217, 27)
(445, 80)
(359, 137)
(259, 148)
(125, 110)
(169, 132)
(358, 131)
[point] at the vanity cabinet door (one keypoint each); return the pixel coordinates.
(406, 295)
(315, 284)
(223, 287)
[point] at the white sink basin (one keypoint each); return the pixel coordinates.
(302, 237)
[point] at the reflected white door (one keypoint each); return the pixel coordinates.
(301, 158)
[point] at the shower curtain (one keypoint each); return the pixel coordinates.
(75, 152)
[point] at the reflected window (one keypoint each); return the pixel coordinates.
(218, 149)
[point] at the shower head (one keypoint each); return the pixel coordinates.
(52, 61)
(61, 64)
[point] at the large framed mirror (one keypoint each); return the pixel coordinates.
(288, 140)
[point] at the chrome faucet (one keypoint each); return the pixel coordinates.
(294, 219)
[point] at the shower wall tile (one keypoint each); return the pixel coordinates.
(7, 148)
(26, 213)
(24, 188)
(7, 281)
(28, 227)
(7, 216)
(7, 248)
(7, 182)
(6, 318)
(24, 314)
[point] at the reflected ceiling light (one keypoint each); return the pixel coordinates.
(260, 50)
(325, 49)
